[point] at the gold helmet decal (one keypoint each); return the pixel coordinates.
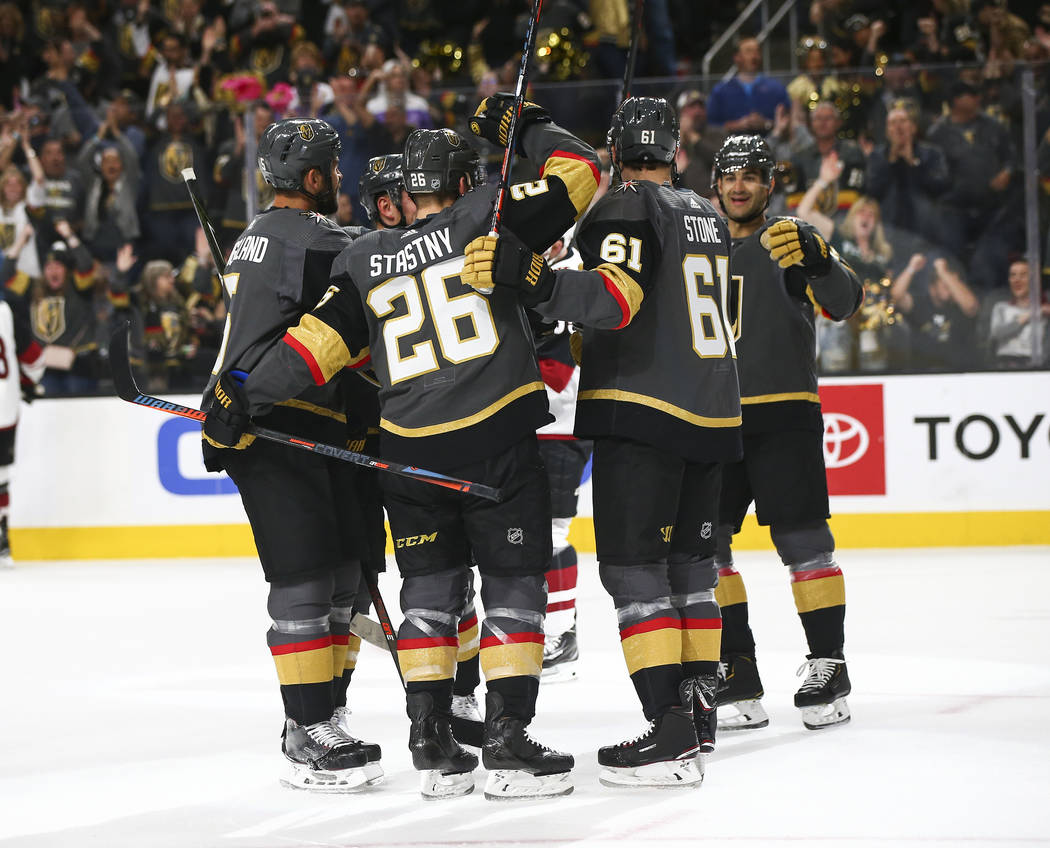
(378, 163)
(453, 138)
(306, 132)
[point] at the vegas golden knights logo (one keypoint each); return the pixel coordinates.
(377, 164)
(453, 138)
(306, 132)
(49, 319)
(177, 156)
(667, 532)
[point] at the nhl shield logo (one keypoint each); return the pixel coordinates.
(515, 535)
(306, 132)
(705, 530)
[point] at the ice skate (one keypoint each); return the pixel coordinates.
(560, 655)
(5, 547)
(739, 695)
(374, 769)
(704, 712)
(822, 696)
(446, 769)
(467, 724)
(664, 756)
(519, 767)
(322, 758)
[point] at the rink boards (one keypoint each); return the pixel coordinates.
(913, 461)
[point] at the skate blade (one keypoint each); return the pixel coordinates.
(435, 785)
(374, 773)
(822, 716)
(749, 715)
(670, 774)
(328, 782)
(518, 785)
(560, 673)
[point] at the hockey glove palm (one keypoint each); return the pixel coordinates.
(492, 119)
(227, 421)
(794, 242)
(504, 260)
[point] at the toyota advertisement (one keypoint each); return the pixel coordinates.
(944, 445)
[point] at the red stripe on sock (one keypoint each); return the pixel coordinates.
(340, 638)
(5, 500)
(511, 639)
(561, 579)
(651, 625)
(728, 571)
(428, 642)
(701, 624)
(300, 647)
(468, 623)
(561, 605)
(816, 574)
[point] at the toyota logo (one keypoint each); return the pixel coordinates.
(845, 440)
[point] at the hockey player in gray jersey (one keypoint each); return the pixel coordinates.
(303, 514)
(782, 270)
(460, 392)
(658, 394)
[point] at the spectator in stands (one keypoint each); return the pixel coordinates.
(824, 123)
(14, 219)
(62, 313)
(166, 330)
(110, 216)
(392, 83)
(312, 93)
(55, 193)
(748, 101)
(945, 34)
(699, 143)
(230, 178)
(941, 319)
(1011, 332)
(262, 39)
(907, 176)
(14, 60)
(125, 113)
(348, 34)
(172, 78)
(976, 224)
(808, 89)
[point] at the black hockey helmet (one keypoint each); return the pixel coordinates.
(434, 161)
(290, 148)
(644, 130)
(382, 176)
(743, 151)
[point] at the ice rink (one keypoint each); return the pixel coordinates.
(140, 708)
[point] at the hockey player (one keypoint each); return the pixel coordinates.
(564, 457)
(658, 394)
(781, 267)
(388, 205)
(21, 367)
(304, 516)
(460, 392)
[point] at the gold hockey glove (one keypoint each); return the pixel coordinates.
(504, 260)
(492, 119)
(227, 422)
(791, 241)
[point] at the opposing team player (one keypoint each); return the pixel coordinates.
(304, 516)
(460, 393)
(781, 267)
(22, 364)
(564, 457)
(388, 205)
(658, 394)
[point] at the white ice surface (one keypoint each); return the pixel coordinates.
(139, 708)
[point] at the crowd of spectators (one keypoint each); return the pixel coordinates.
(899, 136)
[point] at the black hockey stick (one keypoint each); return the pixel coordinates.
(512, 130)
(632, 53)
(190, 178)
(124, 382)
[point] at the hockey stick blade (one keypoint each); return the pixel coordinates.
(369, 630)
(124, 383)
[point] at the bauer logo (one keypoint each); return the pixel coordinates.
(179, 464)
(854, 441)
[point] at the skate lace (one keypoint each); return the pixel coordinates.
(327, 734)
(820, 672)
(628, 742)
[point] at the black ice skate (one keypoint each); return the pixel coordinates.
(739, 696)
(323, 758)
(560, 655)
(5, 546)
(664, 756)
(373, 768)
(822, 696)
(704, 712)
(445, 768)
(519, 767)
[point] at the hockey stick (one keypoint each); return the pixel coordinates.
(512, 130)
(189, 177)
(632, 53)
(124, 382)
